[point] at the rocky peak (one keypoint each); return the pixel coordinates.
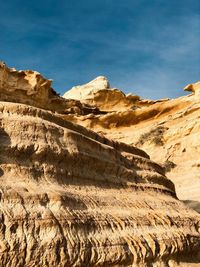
(99, 93)
(31, 88)
(193, 87)
(82, 92)
(168, 129)
(100, 82)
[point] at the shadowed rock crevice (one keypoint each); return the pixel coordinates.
(4, 144)
(193, 204)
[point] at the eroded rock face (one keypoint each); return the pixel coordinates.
(71, 197)
(31, 88)
(169, 130)
(194, 87)
(98, 93)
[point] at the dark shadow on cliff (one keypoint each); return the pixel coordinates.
(195, 205)
(65, 171)
(4, 143)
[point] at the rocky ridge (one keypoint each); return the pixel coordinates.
(31, 88)
(98, 93)
(167, 129)
(72, 197)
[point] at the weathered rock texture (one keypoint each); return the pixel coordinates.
(194, 87)
(70, 197)
(31, 88)
(169, 130)
(99, 94)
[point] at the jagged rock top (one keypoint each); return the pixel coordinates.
(81, 92)
(99, 93)
(71, 197)
(30, 87)
(32, 82)
(168, 129)
(193, 87)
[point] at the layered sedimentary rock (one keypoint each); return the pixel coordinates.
(31, 88)
(193, 87)
(168, 129)
(99, 94)
(71, 197)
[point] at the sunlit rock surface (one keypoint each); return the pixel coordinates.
(71, 197)
(168, 130)
(99, 94)
(31, 88)
(194, 87)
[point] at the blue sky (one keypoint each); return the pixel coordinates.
(147, 47)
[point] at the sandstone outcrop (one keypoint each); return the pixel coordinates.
(31, 88)
(168, 129)
(193, 87)
(71, 197)
(98, 93)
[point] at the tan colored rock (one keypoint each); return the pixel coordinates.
(83, 92)
(168, 129)
(70, 197)
(31, 88)
(194, 87)
(98, 93)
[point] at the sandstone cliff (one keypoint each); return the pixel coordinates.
(71, 197)
(31, 88)
(168, 130)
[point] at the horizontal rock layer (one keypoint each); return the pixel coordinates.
(169, 130)
(70, 197)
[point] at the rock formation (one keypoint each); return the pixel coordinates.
(71, 197)
(31, 88)
(99, 94)
(168, 130)
(194, 87)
